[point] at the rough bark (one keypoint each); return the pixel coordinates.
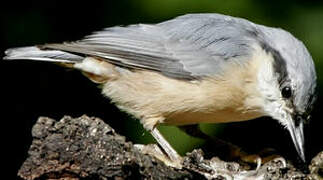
(87, 148)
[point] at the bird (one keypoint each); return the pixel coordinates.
(194, 68)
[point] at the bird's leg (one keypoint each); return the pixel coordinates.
(166, 154)
(171, 153)
(195, 131)
(234, 152)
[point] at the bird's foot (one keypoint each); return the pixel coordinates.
(229, 151)
(260, 158)
(155, 151)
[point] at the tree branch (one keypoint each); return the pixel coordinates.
(87, 148)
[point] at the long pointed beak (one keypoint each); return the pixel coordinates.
(296, 131)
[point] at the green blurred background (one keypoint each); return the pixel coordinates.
(33, 89)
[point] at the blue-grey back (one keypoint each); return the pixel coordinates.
(187, 47)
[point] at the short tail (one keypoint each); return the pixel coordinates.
(37, 54)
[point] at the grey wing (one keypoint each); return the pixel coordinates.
(187, 47)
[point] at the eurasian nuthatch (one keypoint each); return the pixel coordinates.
(196, 68)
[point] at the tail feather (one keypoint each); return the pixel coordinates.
(34, 53)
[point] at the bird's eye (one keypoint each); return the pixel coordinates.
(287, 92)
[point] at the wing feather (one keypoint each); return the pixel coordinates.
(186, 47)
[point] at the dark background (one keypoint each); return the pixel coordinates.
(32, 89)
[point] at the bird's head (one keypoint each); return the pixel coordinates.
(287, 83)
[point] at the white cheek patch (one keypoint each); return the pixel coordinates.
(273, 104)
(267, 81)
